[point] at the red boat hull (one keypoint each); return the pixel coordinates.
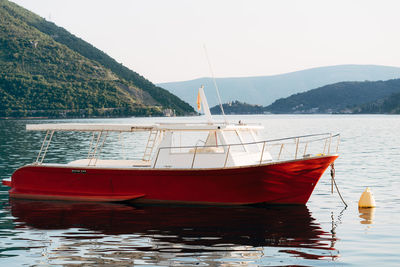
(280, 183)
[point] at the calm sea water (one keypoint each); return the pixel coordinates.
(323, 233)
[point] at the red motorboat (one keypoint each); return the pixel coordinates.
(188, 163)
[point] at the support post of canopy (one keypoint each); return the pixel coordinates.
(262, 153)
(280, 151)
(94, 151)
(101, 147)
(45, 146)
(93, 148)
(297, 147)
(305, 149)
(227, 154)
(194, 157)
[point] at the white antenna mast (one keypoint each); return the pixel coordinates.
(215, 84)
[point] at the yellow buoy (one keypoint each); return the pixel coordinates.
(367, 199)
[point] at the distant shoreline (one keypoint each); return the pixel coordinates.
(246, 114)
(22, 118)
(89, 117)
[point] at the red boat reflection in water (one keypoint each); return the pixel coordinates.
(187, 229)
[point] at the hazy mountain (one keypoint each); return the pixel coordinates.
(343, 97)
(264, 90)
(47, 71)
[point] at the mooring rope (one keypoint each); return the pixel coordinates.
(334, 182)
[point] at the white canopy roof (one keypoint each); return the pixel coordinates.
(91, 127)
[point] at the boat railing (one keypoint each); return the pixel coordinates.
(273, 150)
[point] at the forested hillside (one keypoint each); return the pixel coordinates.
(237, 107)
(46, 71)
(387, 105)
(344, 97)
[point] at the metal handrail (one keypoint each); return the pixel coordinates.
(254, 143)
(329, 137)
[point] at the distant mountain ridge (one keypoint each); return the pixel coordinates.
(380, 97)
(264, 90)
(45, 70)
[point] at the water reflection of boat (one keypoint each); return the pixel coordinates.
(188, 228)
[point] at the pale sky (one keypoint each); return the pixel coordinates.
(163, 39)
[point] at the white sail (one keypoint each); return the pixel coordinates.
(204, 103)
